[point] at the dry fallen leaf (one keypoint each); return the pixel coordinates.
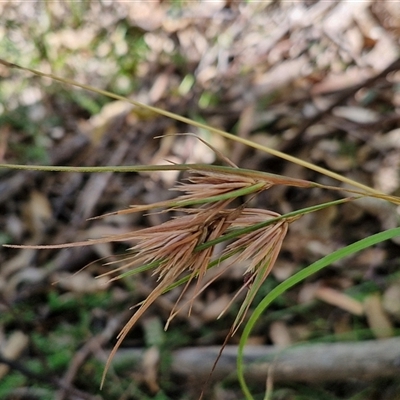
(214, 308)
(83, 282)
(339, 299)
(378, 320)
(38, 211)
(391, 300)
(279, 334)
(150, 361)
(15, 345)
(356, 114)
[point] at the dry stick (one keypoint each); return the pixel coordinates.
(395, 65)
(365, 360)
(92, 346)
(46, 379)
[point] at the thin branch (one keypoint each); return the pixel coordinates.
(348, 92)
(365, 360)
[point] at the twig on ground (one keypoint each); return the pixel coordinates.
(365, 360)
(346, 93)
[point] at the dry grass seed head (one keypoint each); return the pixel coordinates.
(203, 184)
(172, 244)
(260, 248)
(200, 185)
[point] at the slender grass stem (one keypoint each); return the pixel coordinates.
(198, 125)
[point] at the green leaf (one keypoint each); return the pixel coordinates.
(294, 280)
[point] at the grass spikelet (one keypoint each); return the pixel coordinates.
(260, 249)
(170, 247)
(183, 246)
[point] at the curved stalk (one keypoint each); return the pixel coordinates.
(294, 280)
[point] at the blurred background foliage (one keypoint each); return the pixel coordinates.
(289, 75)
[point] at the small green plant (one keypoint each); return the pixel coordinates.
(181, 250)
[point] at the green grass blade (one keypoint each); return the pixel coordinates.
(295, 279)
